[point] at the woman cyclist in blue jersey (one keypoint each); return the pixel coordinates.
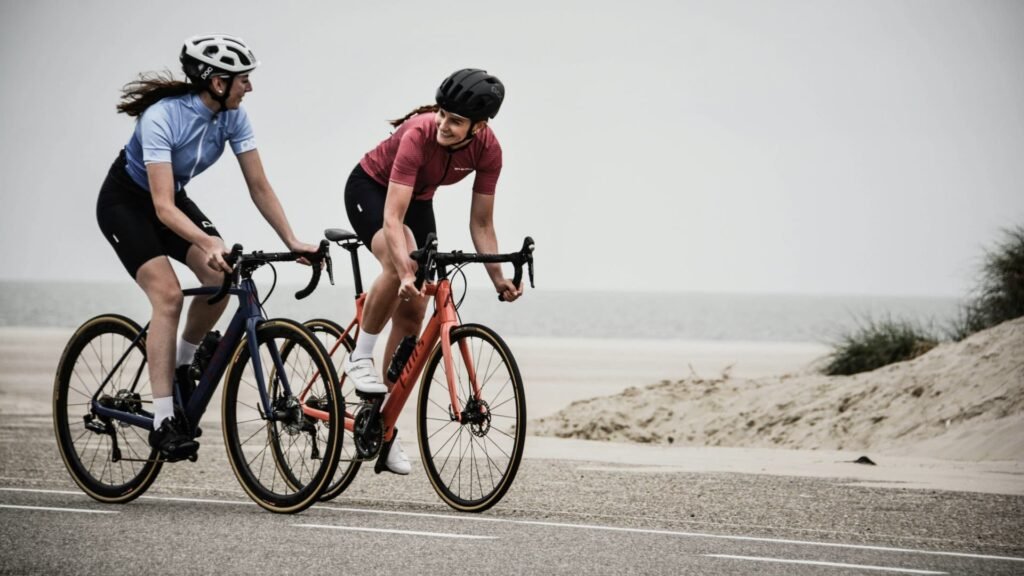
(145, 214)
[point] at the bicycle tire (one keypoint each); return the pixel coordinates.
(249, 435)
(88, 357)
(329, 333)
(486, 454)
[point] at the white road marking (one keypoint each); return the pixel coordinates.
(832, 564)
(41, 491)
(683, 534)
(574, 526)
(403, 532)
(53, 509)
(166, 498)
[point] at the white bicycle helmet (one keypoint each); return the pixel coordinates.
(216, 54)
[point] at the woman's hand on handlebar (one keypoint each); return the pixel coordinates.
(507, 290)
(407, 287)
(303, 248)
(213, 254)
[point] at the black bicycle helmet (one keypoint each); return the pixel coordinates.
(472, 93)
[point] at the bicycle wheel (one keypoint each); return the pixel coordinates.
(330, 335)
(259, 447)
(472, 463)
(87, 441)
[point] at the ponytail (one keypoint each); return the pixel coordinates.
(138, 95)
(420, 110)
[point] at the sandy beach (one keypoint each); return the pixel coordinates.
(617, 403)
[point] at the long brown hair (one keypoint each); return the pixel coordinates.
(140, 94)
(420, 110)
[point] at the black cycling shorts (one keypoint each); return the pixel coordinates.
(128, 219)
(364, 202)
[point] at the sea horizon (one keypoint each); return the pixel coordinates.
(819, 318)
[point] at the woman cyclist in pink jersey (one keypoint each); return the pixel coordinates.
(145, 214)
(388, 201)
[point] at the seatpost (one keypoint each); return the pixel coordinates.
(353, 248)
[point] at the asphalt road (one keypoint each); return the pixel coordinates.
(559, 518)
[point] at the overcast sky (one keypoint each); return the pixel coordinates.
(855, 147)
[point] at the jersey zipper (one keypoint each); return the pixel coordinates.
(447, 163)
(199, 152)
(444, 174)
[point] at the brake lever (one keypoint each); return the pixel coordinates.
(528, 246)
(317, 271)
(525, 256)
(424, 257)
(231, 258)
(330, 267)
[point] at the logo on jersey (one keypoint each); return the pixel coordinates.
(457, 169)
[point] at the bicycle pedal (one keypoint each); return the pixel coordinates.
(381, 465)
(181, 453)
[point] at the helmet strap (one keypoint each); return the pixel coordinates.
(221, 99)
(469, 137)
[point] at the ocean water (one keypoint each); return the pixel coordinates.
(540, 313)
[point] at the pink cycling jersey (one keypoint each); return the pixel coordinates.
(412, 156)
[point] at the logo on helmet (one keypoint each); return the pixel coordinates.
(496, 90)
(206, 72)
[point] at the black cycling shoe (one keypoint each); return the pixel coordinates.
(204, 353)
(173, 440)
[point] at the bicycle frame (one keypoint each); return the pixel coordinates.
(247, 318)
(438, 327)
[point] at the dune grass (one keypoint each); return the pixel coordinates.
(877, 343)
(998, 297)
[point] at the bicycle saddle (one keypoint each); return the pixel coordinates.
(339, 235)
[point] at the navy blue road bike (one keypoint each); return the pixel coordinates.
(102, 399)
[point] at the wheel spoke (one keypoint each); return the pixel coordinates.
(286, 479)
(472, 465)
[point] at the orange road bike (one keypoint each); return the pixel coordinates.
(471, 415)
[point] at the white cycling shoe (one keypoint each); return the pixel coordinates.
(364, 374)
(397, 462)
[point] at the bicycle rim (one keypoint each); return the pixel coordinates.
(284, 462)
(472, 464)
(330, 335)
(89, 357)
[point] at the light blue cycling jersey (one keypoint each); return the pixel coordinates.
(181, 130)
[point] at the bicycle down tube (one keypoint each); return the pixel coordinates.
(243, 326)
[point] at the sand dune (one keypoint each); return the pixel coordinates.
(960, 401)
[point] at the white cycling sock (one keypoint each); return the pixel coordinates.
(163, 409)
(186, 350)
(364, 346)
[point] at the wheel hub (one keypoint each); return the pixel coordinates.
(478, 416)
(288, 412)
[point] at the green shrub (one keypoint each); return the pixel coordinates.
(999, 295)
(876, 344)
